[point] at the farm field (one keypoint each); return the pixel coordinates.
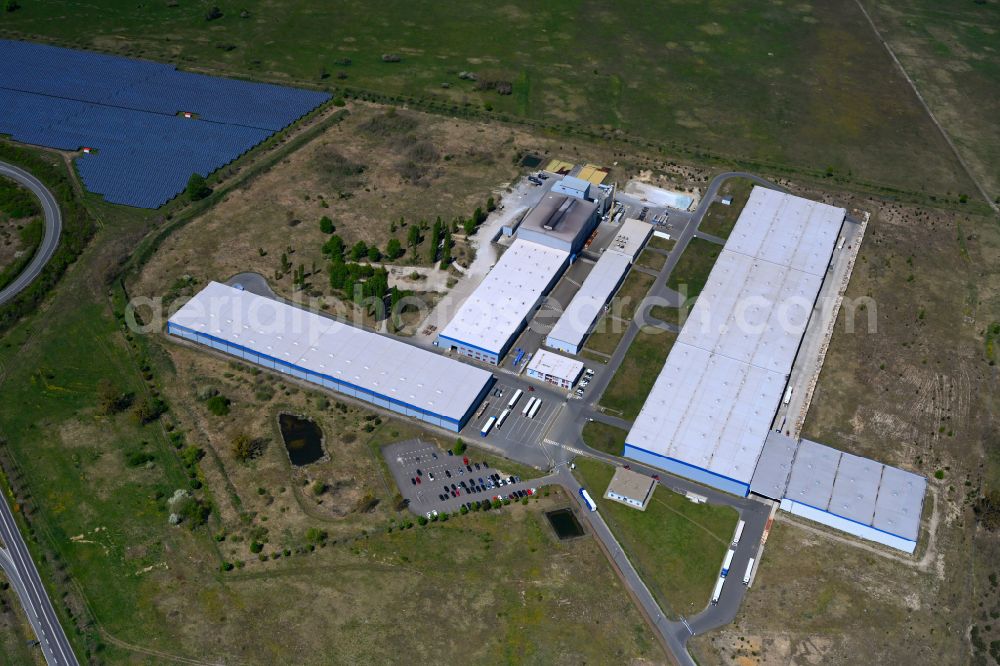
(950, 51)
(804, 86)
(675, 545)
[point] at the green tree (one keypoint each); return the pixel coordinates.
(334, 248)
(339, 274)
(359, 250)
(446, 250)
(326, 225)
(197, 189)
(394, 249)
(479, 216)
(491, 205)
(469, 226)
(435, 242)
(110, 398)
(374, 254)
(459, 447)
(413, 236)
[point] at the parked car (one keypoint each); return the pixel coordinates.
(413, 480)
(447, 473)
(430, 475)
(465, 460)
(419, 473)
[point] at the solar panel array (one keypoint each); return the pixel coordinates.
(131, 113)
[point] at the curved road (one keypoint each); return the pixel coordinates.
(15, 559)
(53, 228)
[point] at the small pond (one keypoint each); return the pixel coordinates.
(303, 439)
(565, 524)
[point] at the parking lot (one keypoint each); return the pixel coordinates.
(433, 479)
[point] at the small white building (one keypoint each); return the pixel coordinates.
(554, 368)
(631, 488)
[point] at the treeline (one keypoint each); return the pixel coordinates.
(77, 229)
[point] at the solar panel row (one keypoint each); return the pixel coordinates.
(128, 111)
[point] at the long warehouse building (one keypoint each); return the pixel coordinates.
(494, 314)
(850, 493)
(711, 408)
(358, 363)
(603, 281)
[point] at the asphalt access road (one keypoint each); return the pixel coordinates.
(53, 229)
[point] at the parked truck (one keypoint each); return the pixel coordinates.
(746, 576)
(513, 401)
(585, 496)
(728, 562)
(489, 425)
(739, 532)
(717, 592)
(528, 406)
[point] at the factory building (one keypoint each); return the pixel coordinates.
(494, 314)
(572, 186)
(856, 495)
(711, 408)
(603, 281)
(361, 364)
(559, 221)
(554, 369)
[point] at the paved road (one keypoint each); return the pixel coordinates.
(16, 563)
(50, 241)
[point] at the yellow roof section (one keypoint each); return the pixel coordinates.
(559, 166)
(593, 174)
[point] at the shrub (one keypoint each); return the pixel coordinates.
(136, 458)
(256, 546)
(218, 405)
(421, 520)
(326, 225)
(197, 189)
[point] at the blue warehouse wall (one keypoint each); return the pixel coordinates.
(697, 474)
(345, 388)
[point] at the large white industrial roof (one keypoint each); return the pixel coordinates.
(787, 230)
(752, 311)
(596, 290)
(859, 489)
(499, 305)
(374, 362)
(555, 365)
(719, 389)
(582, 311)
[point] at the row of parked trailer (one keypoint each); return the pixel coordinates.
(530, 409)
(728, 562)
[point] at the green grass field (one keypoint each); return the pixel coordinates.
(950, 50)
(720, 219)
(803, 86)
(675, 545)
(638, 372)
(691, 272)
(653, 260)
(602, 437)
